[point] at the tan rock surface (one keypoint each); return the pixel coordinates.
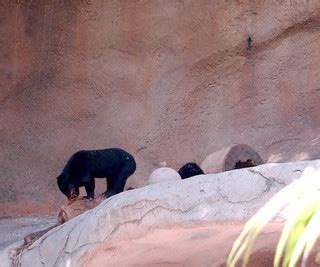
(166, 80)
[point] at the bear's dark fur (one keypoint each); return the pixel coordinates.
(114, 164)
(190, 169)
(244, 164)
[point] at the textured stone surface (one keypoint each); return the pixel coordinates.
(166, 80)
(193, 202)
(163, 174)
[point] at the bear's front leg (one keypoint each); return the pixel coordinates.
(90, 190)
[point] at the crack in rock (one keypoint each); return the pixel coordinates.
(226, 198)
(271, 179)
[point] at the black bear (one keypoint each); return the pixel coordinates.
(114, 164)
(244, 164)
(190, 169)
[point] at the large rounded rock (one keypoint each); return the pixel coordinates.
(163, 174)
(94, 236)
(234, 157)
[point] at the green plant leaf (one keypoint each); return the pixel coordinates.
(291, 244)
(310, 234)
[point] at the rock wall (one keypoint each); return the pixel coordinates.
(167, 80)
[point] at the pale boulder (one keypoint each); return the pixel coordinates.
(163, 174)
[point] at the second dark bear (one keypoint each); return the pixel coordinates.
(114, 164)
(190, 169)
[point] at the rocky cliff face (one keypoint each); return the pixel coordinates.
(167, 80)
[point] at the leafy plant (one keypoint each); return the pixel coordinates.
(301, 230)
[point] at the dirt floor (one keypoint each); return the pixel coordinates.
(15, 229)
(196, 246)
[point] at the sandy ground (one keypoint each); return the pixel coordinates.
(196, 246)
(15, 229)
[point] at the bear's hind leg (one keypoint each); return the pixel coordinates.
(110, 188)
(116, 184)
(117, 181)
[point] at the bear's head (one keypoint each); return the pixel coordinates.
(190, 169)
(66, 187)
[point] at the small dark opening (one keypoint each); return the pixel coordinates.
(244, 164)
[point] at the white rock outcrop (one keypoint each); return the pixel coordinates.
(163, 174)
(233, 195)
